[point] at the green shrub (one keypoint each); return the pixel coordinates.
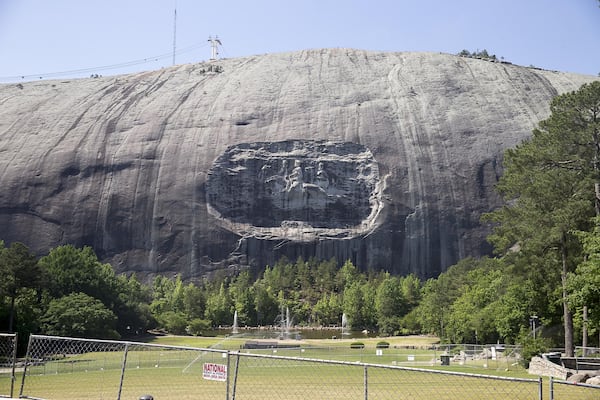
(357, 345)
(198, 326)
(382, 345)
(173, 322)
(532, 347)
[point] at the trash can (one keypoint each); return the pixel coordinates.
(445, 358)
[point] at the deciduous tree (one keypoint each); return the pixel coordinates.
(19, 270)
(79, 315)
(389, 304)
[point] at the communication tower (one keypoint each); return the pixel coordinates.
(174, 32)
(214, 47)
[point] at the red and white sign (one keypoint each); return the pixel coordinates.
(214, 372)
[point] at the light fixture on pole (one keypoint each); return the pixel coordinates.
(533, 322)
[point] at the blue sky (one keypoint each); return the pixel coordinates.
(41, 37)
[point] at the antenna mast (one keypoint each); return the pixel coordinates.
(174, 32)
(214, 43)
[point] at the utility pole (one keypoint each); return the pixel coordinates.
(214, 43)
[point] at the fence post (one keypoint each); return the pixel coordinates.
(366, 383)
(551, 388)
(123, 371)
(27, 358)
(14, 361)
(235, 374)
(540, 388)
(228, 374)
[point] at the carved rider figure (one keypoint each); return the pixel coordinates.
(322, 179)
(296, 178)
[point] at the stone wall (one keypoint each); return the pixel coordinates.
(543, 367)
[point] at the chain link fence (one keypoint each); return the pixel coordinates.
(8, 357)
(69, 368)
(277, 377)
(564, 390)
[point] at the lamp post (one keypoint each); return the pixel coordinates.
(533, 322)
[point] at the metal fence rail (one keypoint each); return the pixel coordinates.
(581, 351)
(587, 358)
(68, 368)
(8, 357)
(564, 390)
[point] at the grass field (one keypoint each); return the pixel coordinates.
(172, 373)
(400, 352)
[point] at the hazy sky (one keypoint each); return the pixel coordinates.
(41, 37)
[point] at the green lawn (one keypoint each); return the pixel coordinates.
(400, 352)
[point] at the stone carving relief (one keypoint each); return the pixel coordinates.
(278, 189)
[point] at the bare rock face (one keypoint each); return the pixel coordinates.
(386, 159)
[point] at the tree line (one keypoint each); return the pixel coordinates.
(69, 292)
(545, 273)
(483, 54)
